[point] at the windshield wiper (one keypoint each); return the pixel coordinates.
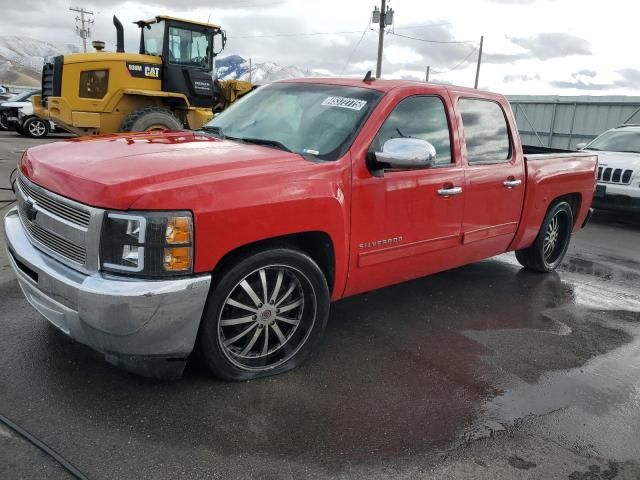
(215, 130)
(262, 141)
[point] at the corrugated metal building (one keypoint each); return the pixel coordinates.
(563, 122)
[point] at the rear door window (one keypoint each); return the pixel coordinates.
(486, 133)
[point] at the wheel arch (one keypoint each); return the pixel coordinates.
(573, 199)
(129, 101)
(318, 245)
(532, 219)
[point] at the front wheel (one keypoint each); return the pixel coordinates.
(551, 244)
(264, 316)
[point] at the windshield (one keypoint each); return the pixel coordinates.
(21, 97)
(310, 119)
(617, 141)
(153, 35)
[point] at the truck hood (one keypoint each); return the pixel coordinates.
(113, 172)
(623, 160)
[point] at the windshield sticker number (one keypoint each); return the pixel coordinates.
(344, 102)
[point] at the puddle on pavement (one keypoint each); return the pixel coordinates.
(594, 406)
(409, 369)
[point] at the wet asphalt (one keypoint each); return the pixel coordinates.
(486, 371)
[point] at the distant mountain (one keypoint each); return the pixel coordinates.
(236, 67)
(21, 60)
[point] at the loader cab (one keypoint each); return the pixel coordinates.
(187, 50)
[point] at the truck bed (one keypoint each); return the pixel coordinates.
(535, 152)
(552, 173)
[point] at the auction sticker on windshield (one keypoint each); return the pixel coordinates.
(345, 102)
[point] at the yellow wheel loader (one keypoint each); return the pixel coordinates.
(167, 85)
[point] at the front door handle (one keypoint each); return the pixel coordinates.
(449, 191)
(512, 183)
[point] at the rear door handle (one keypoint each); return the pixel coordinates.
(512, 183)
(450, 191)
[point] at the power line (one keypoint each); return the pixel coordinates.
(349, 32)
(458, 65)
(453, 42)
(422, 26)
(364, 32)
(310, 34)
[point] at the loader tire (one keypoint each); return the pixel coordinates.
(150, 119)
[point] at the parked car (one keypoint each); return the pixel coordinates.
(9, 109)
(619, 168)
(32, 126)
(237, 237)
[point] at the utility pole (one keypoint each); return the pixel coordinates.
(479, 62)
(384, 17)
(427, 76)
(84, 31)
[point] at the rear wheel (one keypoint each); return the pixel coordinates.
(264, 316)
(550, 246)
(150, 119)
(3, 123)
(35, 127)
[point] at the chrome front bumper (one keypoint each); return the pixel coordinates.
(148, 327)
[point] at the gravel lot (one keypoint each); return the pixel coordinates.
(485, 371)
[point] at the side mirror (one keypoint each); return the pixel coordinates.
(407, 153)
(581, 145)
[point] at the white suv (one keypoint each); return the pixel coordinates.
(618, 168)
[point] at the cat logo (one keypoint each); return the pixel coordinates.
(152, 72)
(144, 70)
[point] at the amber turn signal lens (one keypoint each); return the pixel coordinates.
(178, 230)
(177, 259)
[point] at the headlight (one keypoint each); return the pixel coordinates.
(147, 243)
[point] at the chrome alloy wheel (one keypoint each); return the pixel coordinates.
(37, 128)
(267, 317)
(554, 237)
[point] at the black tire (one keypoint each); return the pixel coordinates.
(35, 127)
(3, 123)
(545, 255)
(240, 359)
(150, 119)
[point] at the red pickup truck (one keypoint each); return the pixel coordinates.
(233, 240)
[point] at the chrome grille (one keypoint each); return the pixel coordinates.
(67, 249)
(55, 206)
(614, 175)
(62, 228)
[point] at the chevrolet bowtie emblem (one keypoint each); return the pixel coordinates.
(31, 211)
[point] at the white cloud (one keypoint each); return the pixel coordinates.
(400, 54)
(543, 29)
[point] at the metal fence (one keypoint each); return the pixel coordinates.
(563, 122)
